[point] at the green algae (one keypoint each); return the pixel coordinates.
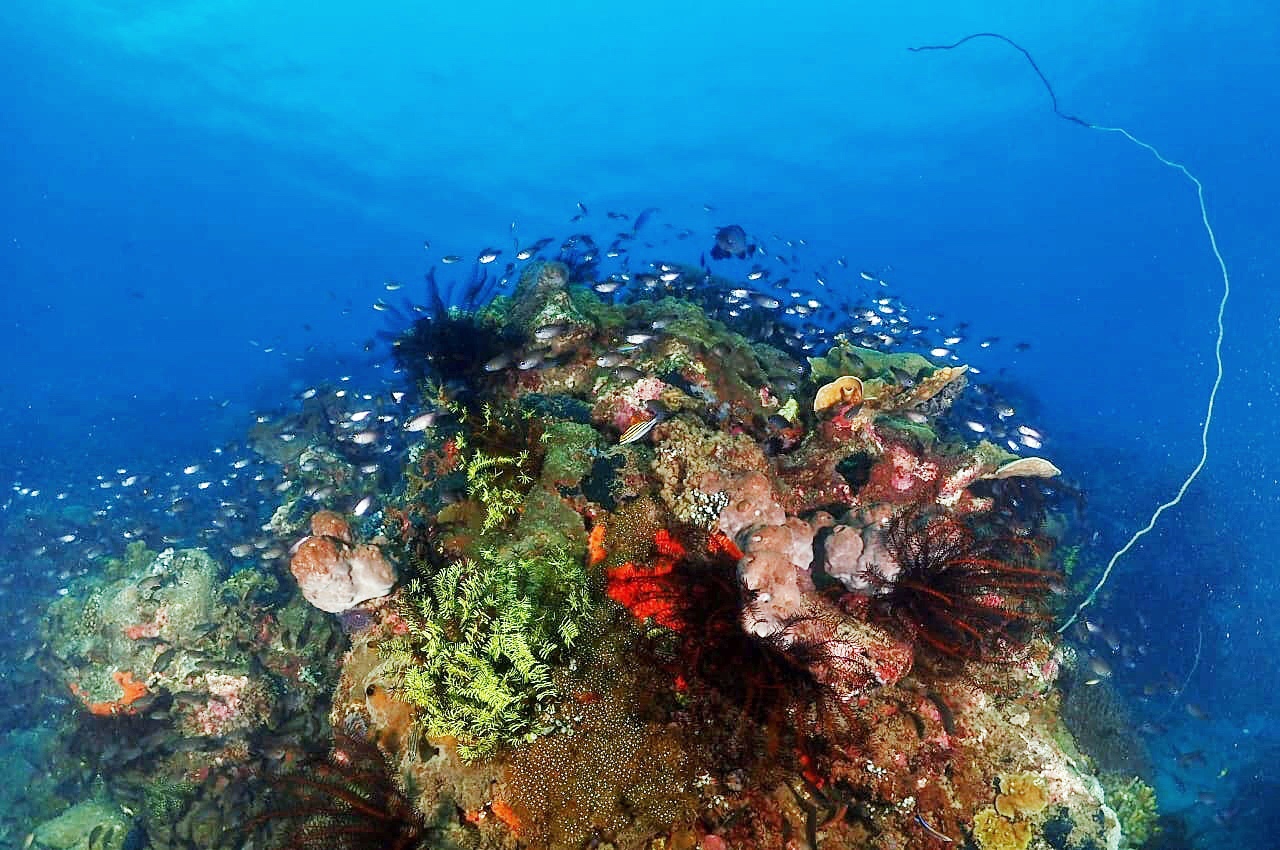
(867, 364)
(570, 453)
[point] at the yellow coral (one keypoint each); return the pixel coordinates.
(1021, 795)
(993, 832)
(843, 390)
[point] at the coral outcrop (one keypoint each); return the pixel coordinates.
(666, 585)
(663, 591)
(187, 683)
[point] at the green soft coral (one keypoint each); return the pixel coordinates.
(1134, 803)
(496, 482)
(485, 635)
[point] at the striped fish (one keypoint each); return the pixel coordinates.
(638, 431)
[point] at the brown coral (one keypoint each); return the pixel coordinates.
(612, 772)
(1021, 795)
(992, 832)
(331, 524)
(315, 557)
(390, 719)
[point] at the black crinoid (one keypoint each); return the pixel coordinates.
(347, 801)
(756, 701)
(965, 591)
(450, 340)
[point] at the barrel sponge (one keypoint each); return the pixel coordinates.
(330, 524)
(335, 577)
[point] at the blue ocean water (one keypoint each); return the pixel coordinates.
(204, 198)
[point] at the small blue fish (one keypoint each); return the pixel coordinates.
(925, 826)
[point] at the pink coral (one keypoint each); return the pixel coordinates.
(151, 629)
(626, 404)
(224, 710)
(752, 501)
(908, 470)
(952, 493)
(844, 652)
(900, 477)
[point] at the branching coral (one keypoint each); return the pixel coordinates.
(966, 594)
(483, 634)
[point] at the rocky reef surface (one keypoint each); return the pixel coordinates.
(643, 582)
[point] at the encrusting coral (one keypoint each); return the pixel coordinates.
(1021, 795)
(991, 831)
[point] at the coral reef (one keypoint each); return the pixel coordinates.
(188, 684)
(666, 592)
(666, 586)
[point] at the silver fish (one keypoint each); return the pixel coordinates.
(422, 421)
(497, 364)
(608, 361)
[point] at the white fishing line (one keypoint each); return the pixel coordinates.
(1213, 392)
(1222, 307)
